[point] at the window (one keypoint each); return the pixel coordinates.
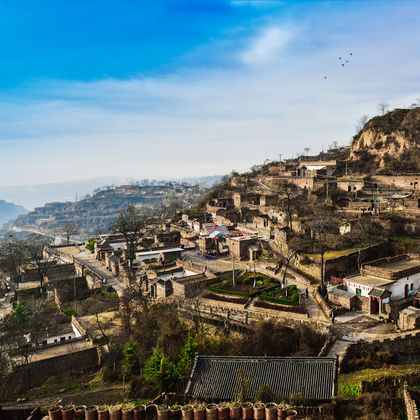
(69, 337)
(44, 342)
(411, 286)
(62, 338)
(55, 340)
(358, 291)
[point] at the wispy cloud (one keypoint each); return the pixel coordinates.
(266, 46)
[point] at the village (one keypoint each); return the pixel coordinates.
(297, 244)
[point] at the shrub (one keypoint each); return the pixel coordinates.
(90, 245)
(265, 393)
(69, 312)
(240, 301)
(229, 292)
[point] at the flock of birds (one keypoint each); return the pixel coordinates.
(344, 61)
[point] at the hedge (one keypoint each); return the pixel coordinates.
(240, 301)
(266, 305)
(294, 300)
(229, 292)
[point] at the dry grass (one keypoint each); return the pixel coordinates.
(355, 378)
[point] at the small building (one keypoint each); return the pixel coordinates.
(409, 319)
(167, 238)
(164, 255)
(350, 185)
(341, 297)
(179, 282)
(244, 247)
(215, 378)
(394, 278)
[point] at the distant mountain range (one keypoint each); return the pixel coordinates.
(95, 212)
(10, 211)
(31, 196)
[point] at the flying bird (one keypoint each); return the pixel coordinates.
(339, 58)
(325, 77)
(347, 61)
(343, 65)
(351, 53)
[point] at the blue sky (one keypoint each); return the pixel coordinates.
(187, 88)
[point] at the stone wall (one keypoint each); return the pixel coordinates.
(55, 272)
(402, 346)
(410, 404)
(36, 372)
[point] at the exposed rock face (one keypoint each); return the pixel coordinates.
(391, 141)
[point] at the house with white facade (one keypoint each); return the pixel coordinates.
(386, 280)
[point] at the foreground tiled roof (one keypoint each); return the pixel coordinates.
(216, 377)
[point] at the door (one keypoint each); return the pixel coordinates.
(374, 305)
(406, 290)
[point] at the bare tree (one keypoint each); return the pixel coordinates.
(323, 223)
(35, 247)
(69, 229)
(362, 122)
(130, 224)
(383, 107)
(13, 255)
(288, 193)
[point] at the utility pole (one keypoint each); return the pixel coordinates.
(346, 168)
(280, 160)
(233, 270)
(255, 276)
(327, 190)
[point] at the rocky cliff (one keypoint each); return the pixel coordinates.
(389, 143)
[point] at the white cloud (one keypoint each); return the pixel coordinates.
(267, 45)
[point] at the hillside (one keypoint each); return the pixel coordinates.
(95, 213)
(388, 143)
(9, 211)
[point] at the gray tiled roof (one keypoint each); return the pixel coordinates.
(216, 377)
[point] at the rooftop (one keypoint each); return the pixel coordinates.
(393, 268)
(216, 377)
(411, 312)
(341, 293)
(371, 281)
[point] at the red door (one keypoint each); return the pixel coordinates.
(406, 290)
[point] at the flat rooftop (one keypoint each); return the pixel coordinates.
(411, 312)
(393, 268)
(397, 266)
(55, 351)
(371, 281)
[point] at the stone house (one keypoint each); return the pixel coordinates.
(167, 238)
(403, 182)
(244, 248)
(350, 185)
(385, 280)
(343, 298)
(409, 319)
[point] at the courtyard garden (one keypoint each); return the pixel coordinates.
(247, 284)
